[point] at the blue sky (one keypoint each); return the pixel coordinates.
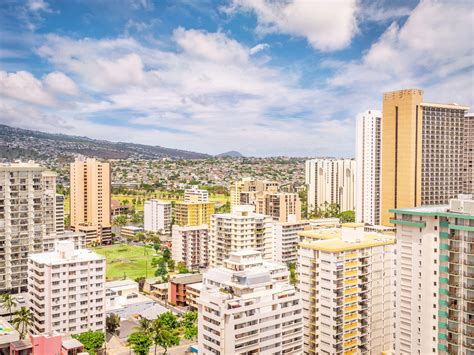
(280, 77)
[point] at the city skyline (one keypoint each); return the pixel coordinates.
(202, 76)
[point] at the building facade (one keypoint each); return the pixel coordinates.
(90, 200)
(177, 288)
(330, 181)
(59, 213)
(193, 213)
(157, 216)
(26, 216)
(422, 151)
(281, 206)
(248, 307)
(66, 290)
(285, 240)
(468, 169)
(368, 157)
(196, 195)
(435, 278)
(240, 229)
(345, 280)
(190, 245)
(244, 191)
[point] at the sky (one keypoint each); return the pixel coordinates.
(263, 77)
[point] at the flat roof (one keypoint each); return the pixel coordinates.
(336, 245)
(451, 105)
(53, 257)
(184, 279)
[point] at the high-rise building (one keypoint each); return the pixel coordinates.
(281, 206)
(59, 214)
(285, 240)
(190, 245)
(244, 191)
(468, 169)
(422, 151)
(368, 153)
(248, 307)
(196, 195)
(330, 181)
(66, 290)
(345, 280)
(240, 229)
(26, 216)
(90, 199)
(193, 213)
(435, 278)
(157, 216)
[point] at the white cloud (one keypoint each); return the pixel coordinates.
(258, 48)
(327, 25)
(433, 46)
(216, 47)
(60, 83)
(23, 86)
(38, 5)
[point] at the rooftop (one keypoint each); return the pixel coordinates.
(184, 279)
(337, 244)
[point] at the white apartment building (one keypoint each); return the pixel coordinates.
(26, 216)
(285, 240)
(157, 216)
(240, 229)
(346, 284)
(78, 238)
(330, 181)
(190, 245)
(368, 154)
(435, 278)
(196, 195)
(247, 306)
(66, 290)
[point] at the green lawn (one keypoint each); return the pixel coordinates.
(127, 261)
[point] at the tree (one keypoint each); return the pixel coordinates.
(144, 326)
(157, 247)
(91, 340)
(22, 321)
(189, 324)
(166, 254)
(292, 269)
(169, 320)
(140, 343)
(8, 302)
(182, 269)
(120, 221)
(171, 264)
(347, 216)
(141, 283)
(67, 220)
(112, 323)
(163, 335)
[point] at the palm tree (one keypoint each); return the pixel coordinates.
(144, 326)
(8, 302)
(22, 321)
(112, 323)
(120, 221)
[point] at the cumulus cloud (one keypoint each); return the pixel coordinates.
(23, 86)
(327, 25)
(60, 83)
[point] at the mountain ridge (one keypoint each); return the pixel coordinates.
(20, 143)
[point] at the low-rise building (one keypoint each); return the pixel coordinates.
(117, 208)
(124, 299)
(130, 231)
(190, 245)
(177, 288)
(66, 290)
(196, 195)
(8, 334)
(247, 306)
(155, 287)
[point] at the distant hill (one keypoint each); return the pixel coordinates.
(17, 143)
(230, 154)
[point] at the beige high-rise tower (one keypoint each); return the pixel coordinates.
(90, 199)
(422, 151)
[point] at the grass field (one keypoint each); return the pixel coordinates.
(218, 198)
(127, 260)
